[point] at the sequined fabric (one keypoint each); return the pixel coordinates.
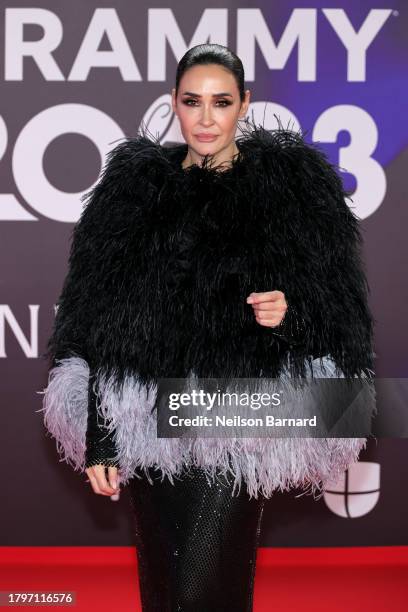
(100, 445)
(196, 543)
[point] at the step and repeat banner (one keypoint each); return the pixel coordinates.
(76, 77)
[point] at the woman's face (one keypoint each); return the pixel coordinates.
(208, 107)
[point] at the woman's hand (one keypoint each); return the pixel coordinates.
(269, 307)
(100, 484)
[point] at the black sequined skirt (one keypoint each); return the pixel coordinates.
(196, 542)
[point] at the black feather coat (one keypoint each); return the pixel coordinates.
(163, 259)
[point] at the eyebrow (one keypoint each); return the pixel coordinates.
(217, 95)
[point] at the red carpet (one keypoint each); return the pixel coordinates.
(287, 579)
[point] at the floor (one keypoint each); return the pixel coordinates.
(298, 579)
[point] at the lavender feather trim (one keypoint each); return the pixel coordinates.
(65, 407)
(263, 464)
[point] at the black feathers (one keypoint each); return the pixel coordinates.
(163, 258)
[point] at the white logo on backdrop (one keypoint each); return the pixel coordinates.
(357, 492)
(35, 194)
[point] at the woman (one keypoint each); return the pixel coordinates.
(214, 258)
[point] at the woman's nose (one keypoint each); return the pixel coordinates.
(206, 116)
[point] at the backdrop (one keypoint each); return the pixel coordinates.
(75, 77)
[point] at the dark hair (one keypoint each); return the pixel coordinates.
(212, 54)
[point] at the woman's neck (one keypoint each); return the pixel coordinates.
(224, 157)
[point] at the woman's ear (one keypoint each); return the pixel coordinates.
(245, 104)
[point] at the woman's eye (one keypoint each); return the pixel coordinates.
(222, 103)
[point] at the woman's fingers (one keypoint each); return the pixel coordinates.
(270, 307)
(270, 312)
(103, 484)
(93, 481)
(113, 477)
(272, 318)
(268, 322)
(99, 482)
